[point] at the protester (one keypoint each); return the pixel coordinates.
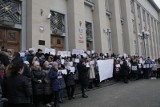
(70, 81)
(83, 76)
(17, 87)
(125, 71)
(48, 91)
(38, 83)
(55, 84)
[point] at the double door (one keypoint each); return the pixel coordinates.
(57, 42)
(10, 39)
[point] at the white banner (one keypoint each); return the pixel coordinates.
(105, 69)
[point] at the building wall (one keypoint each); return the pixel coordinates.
(124, 34)
(36, 19)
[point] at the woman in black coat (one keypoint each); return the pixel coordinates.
(125, 71)
(70, 84)
(83, 76)
(38, 83)
(18, 89)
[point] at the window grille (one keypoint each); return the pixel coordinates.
(89, 31)
(10, 11)
(57, 23)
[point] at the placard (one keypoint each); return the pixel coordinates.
(22, 54)
(71, 63)
(105, 69)
(118, 65)
(77, 51)
(72, 69)
(63, 71)
(62, 61)
(134, 68)
(76, 60)
(50, 50)
(92, 62)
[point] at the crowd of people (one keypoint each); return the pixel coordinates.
(38, 79)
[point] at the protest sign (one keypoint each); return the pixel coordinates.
(72, 69)
(63, 71)
(105, 69)
(77, 51)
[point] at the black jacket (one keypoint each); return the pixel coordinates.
(69, 78)
(83, 73)
(18, 89)
(38, 88)
(125, 69)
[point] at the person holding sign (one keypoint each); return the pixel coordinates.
(125, 71)
(134, 70)
(83, 76)
(55, 84)
(117, 69)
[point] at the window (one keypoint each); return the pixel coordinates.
(10, 11)
(89, 31)
(57, 23)
(144, 16)
(58, 41)
(138, 10)
(134, 26)
(132, 6)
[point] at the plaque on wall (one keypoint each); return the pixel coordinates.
(41, 42)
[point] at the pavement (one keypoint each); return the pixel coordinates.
(140, 93)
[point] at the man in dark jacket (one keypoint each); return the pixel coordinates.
(83, 76)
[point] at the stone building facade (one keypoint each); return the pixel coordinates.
(101, 25)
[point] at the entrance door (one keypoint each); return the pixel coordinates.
(57, 43)
(10, 39)
(89, 46)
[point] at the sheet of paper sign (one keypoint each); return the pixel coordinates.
(144, 66)
(52, 51)
(147, 65)
(22, 54)
(62, 61)
(71, 63)
(134, 68)
(76, 60)
(118, 65)
(92, 62)
(63, 71)
(72, 69)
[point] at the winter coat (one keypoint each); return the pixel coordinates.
(47, 80)
(1, 103)
(38, 88)
(27, 71)
(53, 75)
(125, 69)
(61, 80)
(18, 89)
(69, 78)
(83, 74)
(134, 67)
